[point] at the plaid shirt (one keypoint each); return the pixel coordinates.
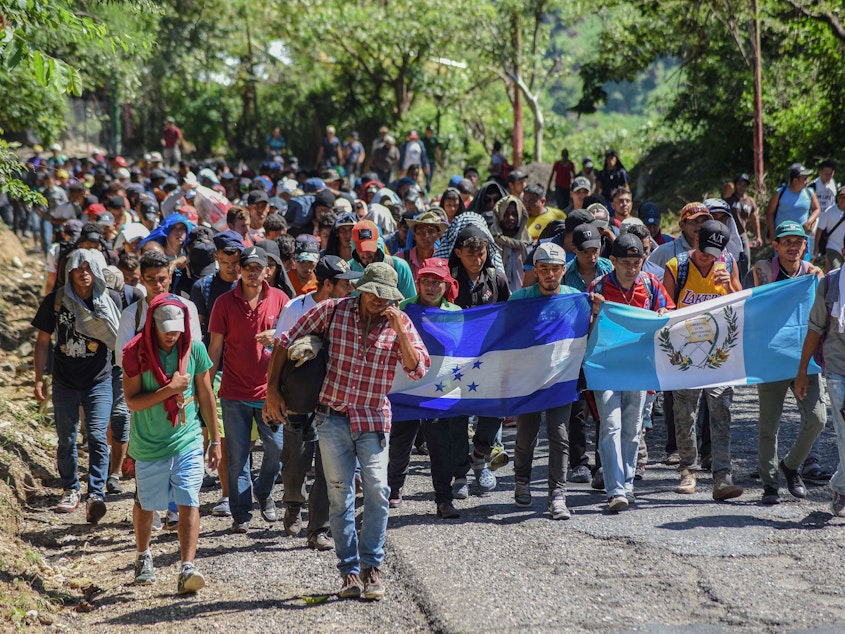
(359, 374)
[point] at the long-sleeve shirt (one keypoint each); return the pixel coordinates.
(361, 365)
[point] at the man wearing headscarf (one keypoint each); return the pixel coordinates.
(84, 315)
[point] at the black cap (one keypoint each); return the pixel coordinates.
(253, 255)
(713, 238)
(257, 196)
(743, 177)
(516, 175)
(271, 248)
(586, 236)
(796, 170)
(157, 174)
(331, 267)
(627, 245)
(577, 217)
(201, 259)
(117, 202)
(650, 213)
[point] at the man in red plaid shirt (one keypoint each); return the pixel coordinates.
(366, 337)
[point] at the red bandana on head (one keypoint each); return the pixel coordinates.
(142, 353)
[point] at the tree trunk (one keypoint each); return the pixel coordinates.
(517, 135)
(759, 183)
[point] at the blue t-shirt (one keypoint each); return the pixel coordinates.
(792, 206)
(573, 277)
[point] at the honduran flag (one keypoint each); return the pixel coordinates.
(753, 336)
(498, 360)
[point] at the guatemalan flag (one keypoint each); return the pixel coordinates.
(497, 360)
(754, 336)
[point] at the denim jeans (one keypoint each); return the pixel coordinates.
(621, 414)
(45, 228)
(96, 403)
(527, 433)
(813, 418)
(719, 401)
(340, 447)
(237, 421)
(448, 450)
(119, 411)
(836, 391)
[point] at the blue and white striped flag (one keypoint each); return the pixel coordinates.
(754, 336)
(498, 360)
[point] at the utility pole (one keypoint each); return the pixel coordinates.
(759, 168)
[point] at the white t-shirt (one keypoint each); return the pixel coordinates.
(413, 154)
(825, 193)
(126, 329)
(827, 221)
(292, 311)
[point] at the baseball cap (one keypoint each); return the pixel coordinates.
(331, 267)
(346, 220)
(169, 318)
(257, 196)
(208, 173)
(713, 238)
(437, 268)
(307, 249)
(581, 182)
(413, 135)
(789, 228)
(577, 217)
(201, 259)
(691, 211)
(549, 253)
(650, 213)
(627, 245)
(600, 214)
(95, 210)
(105, 219)
(271, 248)
(313, 185)
(253, 255)
(587, 162)
(516, 175)
(117, 202)
(743, 177)
(155, 157)
(365, 236)
(717, 206)
(585, 237)
(120, 161)
(73, 228)
(797, 169)
(229, 238)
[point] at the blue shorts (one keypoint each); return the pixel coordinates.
(177, 479)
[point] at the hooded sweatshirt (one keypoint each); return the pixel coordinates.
(514, 247)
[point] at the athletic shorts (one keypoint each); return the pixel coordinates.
(177, 479)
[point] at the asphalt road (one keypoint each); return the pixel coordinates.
(670, 563)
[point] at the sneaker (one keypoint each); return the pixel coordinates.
(239, 528)
(639, 472)
(558, 509)
(144, 572)
(597, 482)
(352, 587)
(268, 510)
(113, 485)
(373, 585)
(320, 541)
(460, 490)
(580, 474)
(156, 521)
(793, 481)
(770, 495)
(68, 503)
(395, 500)
(209, 481)
(687, 484)
(617, 503)
(497, 459)
(222, 508)
(837, 506)
(813, 472)
(95, 508)
(725, 489)
(171, 520)
(673, 458)
(292, 520)
(190, 580)
(522, 494)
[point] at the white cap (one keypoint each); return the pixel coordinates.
(550, 253)
(169, 318)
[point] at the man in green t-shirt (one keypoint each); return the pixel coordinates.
(165, 376)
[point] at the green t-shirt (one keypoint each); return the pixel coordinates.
(152, 436)
(444, 305)
(534, 291)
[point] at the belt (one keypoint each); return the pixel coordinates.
(330, 411)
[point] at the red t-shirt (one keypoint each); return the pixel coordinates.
(245, 360)
(171, 136)
(564, 173)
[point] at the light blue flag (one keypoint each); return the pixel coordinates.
(754, 336)
(498, 360)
